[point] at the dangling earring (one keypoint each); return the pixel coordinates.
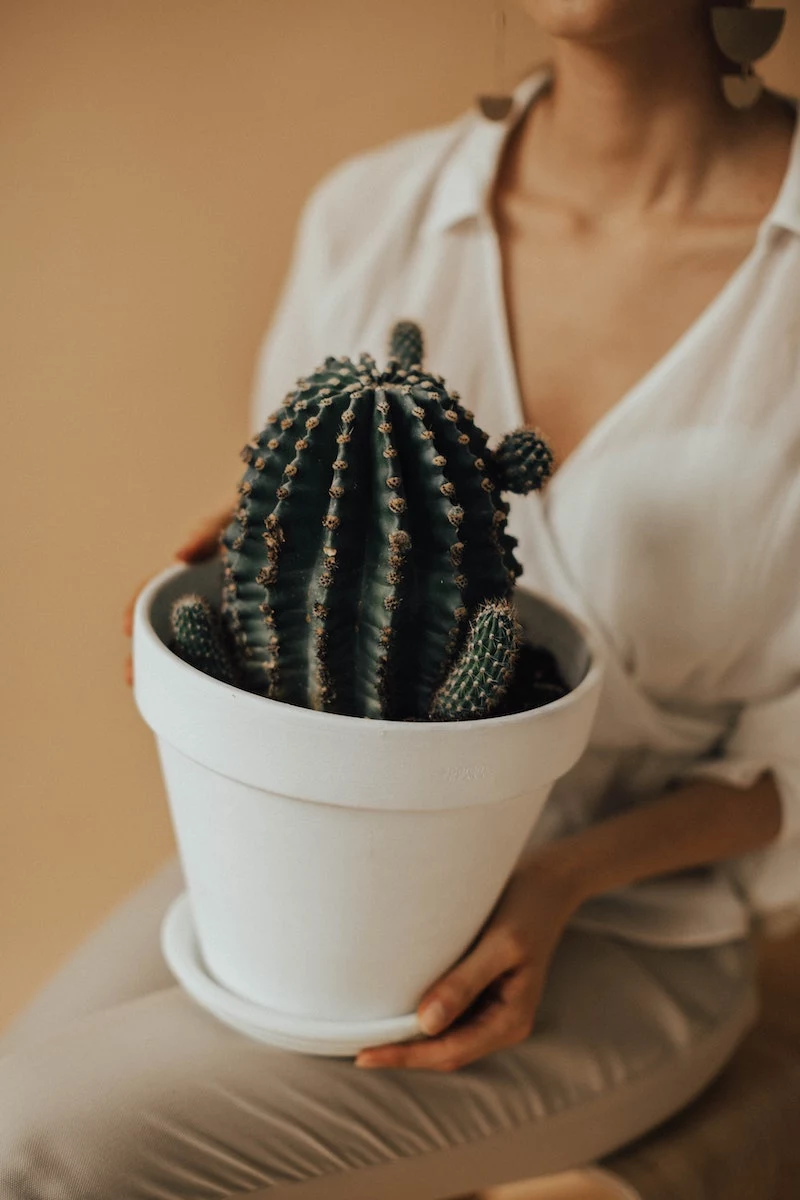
(743, 35)
(497, 106)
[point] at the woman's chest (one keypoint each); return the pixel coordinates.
(679, 543)
(590, 317)
(661, 520)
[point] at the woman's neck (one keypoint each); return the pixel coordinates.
(626, 128)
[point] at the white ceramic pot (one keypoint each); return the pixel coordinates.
(336, 866)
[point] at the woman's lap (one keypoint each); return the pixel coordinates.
(151, 1097)
(119, 960)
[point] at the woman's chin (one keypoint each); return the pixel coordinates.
(602, 21)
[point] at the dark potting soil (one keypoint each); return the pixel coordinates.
(537, 681)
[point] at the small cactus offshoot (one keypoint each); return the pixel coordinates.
(370, 533)
(482, 673)
(522, 462)
(199, 638)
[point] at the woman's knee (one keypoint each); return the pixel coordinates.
(152, 1097)
(52, 1140)
(85, 1113)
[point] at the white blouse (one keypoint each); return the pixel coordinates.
(673, 529)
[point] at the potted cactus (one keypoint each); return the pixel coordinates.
(370, 530)
(359, 715)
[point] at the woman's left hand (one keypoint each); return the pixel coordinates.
(488, 1001)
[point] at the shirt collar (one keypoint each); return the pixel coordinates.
(464, 185)
(465, 181)
(785, 212)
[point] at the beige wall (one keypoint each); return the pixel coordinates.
(154, 154)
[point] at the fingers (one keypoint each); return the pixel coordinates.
(494, 954)
(198, 546)
(127, 616)
(502, 1021)
(494, 980)
(204, 542)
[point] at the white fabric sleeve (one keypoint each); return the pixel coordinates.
(766, 738)
(290, 348)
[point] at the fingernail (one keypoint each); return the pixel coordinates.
(433, 1018)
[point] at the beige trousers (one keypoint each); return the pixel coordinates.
(114, 1085)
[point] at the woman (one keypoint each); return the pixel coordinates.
(614, 262)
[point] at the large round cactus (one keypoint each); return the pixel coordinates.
(370, 533)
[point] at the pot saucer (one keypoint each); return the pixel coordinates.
(309, 1035)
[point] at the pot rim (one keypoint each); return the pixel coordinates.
(143, 627)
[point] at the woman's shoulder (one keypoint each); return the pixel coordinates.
(378, 192)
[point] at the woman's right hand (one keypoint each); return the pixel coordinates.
(202, 544)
